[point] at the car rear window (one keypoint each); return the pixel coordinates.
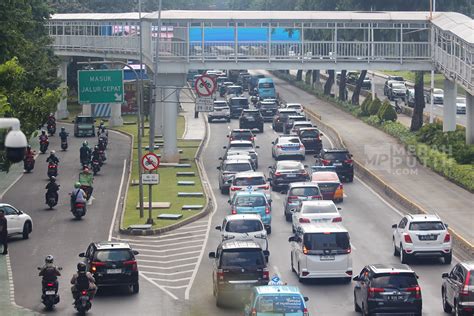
(426, 226)
(395, 280)
(310, 133)
(239, 102)
(298, 118)
(269, 106)
(84, 120)
(281, 304)
(242, 258)
(266, 85)
(336, 156)
(250, 201)
(326, 241)
(328, 187)
(240, 145)
(242, 135)
(316, 209)
(249, 181)
(291, 140)
(306, 191)
(243, 226)
(113, 255)
(238, 167)
(284, 167)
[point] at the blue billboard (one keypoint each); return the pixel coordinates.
(226, 34)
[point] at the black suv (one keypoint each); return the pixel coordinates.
(251, 119)
(237, 104)
(311, 139)
(383, 288)
(268, 109)
(238, 266)
(282, 173)
(342, 160)
(112, 264)
(458, 289)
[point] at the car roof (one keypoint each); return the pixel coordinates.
(335, 150)
(423, 217)
(251, 193)
(308, 128)
(387, 268)
(243, 216)
(289, 163)
(240, 98)
(296, 116)
(277, 289)
(250, 111)
(220, 102)
(6, 204)
(241, 141)
(303, 122)
(235, 244)
(325, 176)
(268, 102)
(323, 227)
(302, 184)
(104, 245)
(249, 174)
(293, 104)
(230, 161)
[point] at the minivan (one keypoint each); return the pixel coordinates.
(321, 250)
(266, 88)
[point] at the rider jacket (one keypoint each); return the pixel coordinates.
(52, 159)
(29, 155)
(85, 152)
(63, 135)
(43, 138)
(52, 187)
(49, 272)
(51, 120)
(96, 155)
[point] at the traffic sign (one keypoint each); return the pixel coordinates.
(205, 86)
(150, 178)
(150, 161)
(100, 86)
(204, 104)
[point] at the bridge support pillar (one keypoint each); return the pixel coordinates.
(61, 111)
(449, 106)
(469, 119)
(87, 109)
(115, 115)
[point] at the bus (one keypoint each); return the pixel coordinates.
(266, 89)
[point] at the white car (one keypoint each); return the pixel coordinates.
(288, 146)
(460, 105)
(18, 223)
(421, 235)
(244, 227)
(221, 112)
(315, 211)
(295, 106)
(249, 181)
(438, 96)
(300, 124)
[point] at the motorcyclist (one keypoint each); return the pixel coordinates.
(86, 179)
(83, 280)
(51, 120)
(52, 189)
(85, 153)
(52, 158)
(102, 142)
(78, 196)
(101, 129)
(29, 156)
(63, 134)
(49, 271)
(96, 154)
(43, 138)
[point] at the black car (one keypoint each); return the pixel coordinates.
(112, 264)
(237, 267)
(311, 139)
(383, 288)
(342, 160)
(457, 290)
(251, 119)
(268, 109)
(282, 173)
(84, 126)
(281, 117)
(237, 104)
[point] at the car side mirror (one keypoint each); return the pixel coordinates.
(228, 136)
(212, 255)
(82, 255)
(394, 226)
(445, 275)
(135, 252)
(293, 210)
(321, 134)
(220, 158)
(306, 298)
(218, 228)
(273, 143)
(356, 278)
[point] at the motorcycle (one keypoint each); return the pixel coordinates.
(29, 164)
(44, 146)
(64, 144)
(79, 210)
(50, 296)
(102, 156)
(103, 142)
(83, 302)
(254, 100)
(51, 200)
(85, 161)
(51, 129)
(87, 190)
(52, 170)
(95, 166)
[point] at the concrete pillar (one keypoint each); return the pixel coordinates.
(469, 119)
(158, 119)
(62, 111)
(170, 117)
(449, 106)
(115, 115)
(87, 109)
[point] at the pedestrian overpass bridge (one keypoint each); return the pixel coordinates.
(272, 40)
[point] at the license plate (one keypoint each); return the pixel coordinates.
(327, 258)
(319, 220)
(395, 297)
(338, 164)
(427, 237)
(114, 271)
(50, 292)
(291, 175)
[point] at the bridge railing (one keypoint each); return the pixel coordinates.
(121, 44)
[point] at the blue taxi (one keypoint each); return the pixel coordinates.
(253, 202)
(272, 300)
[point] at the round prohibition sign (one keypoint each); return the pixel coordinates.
(205, 86)
(150, 162)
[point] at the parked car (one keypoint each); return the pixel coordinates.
(251, 119)
(221, 112)
(231, 282)
(311, 139)
(253, 202)
(298, 192)
(276, 300)
(421, 235)
(387, 288)
(281, 117)
(457, 291)
(316, 211)
(229, 168)
(18, 223)
(329, 184)
(341, 159)
(282, 173)
(288, 147)
(244, 227)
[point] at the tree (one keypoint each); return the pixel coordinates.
(329, 82)
(358, 87)
(417, 118)
(342, 86)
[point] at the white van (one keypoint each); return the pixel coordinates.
(321, 250)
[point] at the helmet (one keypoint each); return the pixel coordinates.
(51, 114)
(43, 132)
(81, 267)
(49, 259)
(102, 122)
(28, 147)
(86, 169)
(77, 185)
(63, 129)
(53, 152)
(52, 179)
(96, 147)
(85, 143)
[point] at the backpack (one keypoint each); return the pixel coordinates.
(82, 282)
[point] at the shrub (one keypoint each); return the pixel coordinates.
(374, 106)
(364, 107)
(386, 112)
(372, 120)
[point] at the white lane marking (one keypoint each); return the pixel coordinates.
(169, 261)
(166, 249)
(173, 280)
(117, 203)
(159, 286)
(344, 195)
(90, 201)
(164, 268)
(175, 286)
(168, 273)
(165, 256)
(166, 241)
(214, 211)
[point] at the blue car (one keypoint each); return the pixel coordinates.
(253, 202)
(272, 300)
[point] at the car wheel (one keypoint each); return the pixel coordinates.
(288, 217)
(446, 307)
(396, 252)
(269, 230)
(356, 306)
(26, 230)
(404, 257)
(448, 258)
(135, 288)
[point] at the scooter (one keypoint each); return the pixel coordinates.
(95, 166)
(79, 210)
(64, 144)
(29, 164)
(83, 302)
(51, 129)
(50, 296)
(102, 156)
(44, 146)
(51, 200)
(52, 170)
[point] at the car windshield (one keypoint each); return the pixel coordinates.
(242, 258)
(293, 106)
(265, 85)
(249, 181)
(336, 156)
(398, 86)
(250, 201)
(426, 226)
(306, 191)
(238, 101)
(238, 167)
(280, 304)
(326, 241)
(113, 255)
(317, 209)
(243, 226)
(234, 90)
(85, 120)
(240, 145)
(268, 106)
(396, 280)
(241, 135)
(310, 133)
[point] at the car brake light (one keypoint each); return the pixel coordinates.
(50, 284)
(325, 162)
(235, 189)
(373, 290)
(278, 146)
(415, 289)
(304, 220)
(233, 211)
(277, 174)
(447, 237)
(305, 312)
(301, 146)
(267, 210)
(305, 250)
(266, 273)
(220, 274)
(94, 265)
(132, 263)
(465, 288)
(84, 292)
(337, 219)
(315, 197)
(349, 161)
(407, 238)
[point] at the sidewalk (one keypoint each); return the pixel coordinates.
(195, 127)
(384, 156)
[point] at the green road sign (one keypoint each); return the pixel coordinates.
(100, 86)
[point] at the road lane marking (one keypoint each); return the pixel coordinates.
(169, 261)
(167, 249)
(164, 241)
(168, 273)
(175, 286)
(165, 256)
(172, 280)
(165, 268)
(117, 203)
(159, 286)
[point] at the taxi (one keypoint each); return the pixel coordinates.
(253, 202)
(329, 184)
(270, 300)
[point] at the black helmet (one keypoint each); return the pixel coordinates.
(81, 267)
(43, 131)
(63, 129)
(96, 147)
(49, 259)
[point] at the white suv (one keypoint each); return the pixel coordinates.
(19, 223)
(244, 227)
(421, 236)
(249, 181)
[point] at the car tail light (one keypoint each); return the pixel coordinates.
(252, 138)
(235, 189)
(292, 197)
(415, 289)
(301, 146)
(305, 250)
(407, 238)
(305, 312)
(231, 138)
(84, 292)
(325, 162)
(465, 288)
(348, 161)
(131, 263)
(50, 284)
(279, 146)
(266, 273)
(304, 220)
(267, 210)
(447, 237)
(94, 265)
(233, 211)
(277, 174)
(316, 197)
(373, 290)
(220, 274)
(337, 219)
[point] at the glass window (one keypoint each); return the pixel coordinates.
(249, 181)
(250, 201)
(397, 281)
(336, 156)
(113, 255)
(281, 304)
(310, 133)
(318, 209)
(238, 167)
(242, 258)
(306, 191)
(426, 226)
(326, 241)
(243, 226)
(328, 187)
(292, 166)
(265, 85)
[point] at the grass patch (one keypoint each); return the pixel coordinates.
(438, 79)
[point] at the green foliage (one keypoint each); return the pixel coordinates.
(374, 106)
(364, 107)
(372, 120)
(387, 112)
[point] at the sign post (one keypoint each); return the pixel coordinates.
(205, 87)
(100, 86)
(150, 162)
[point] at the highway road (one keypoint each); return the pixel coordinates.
(365, 214)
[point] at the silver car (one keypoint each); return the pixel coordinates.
(229, 168)
(288, 147)
(297, 192)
